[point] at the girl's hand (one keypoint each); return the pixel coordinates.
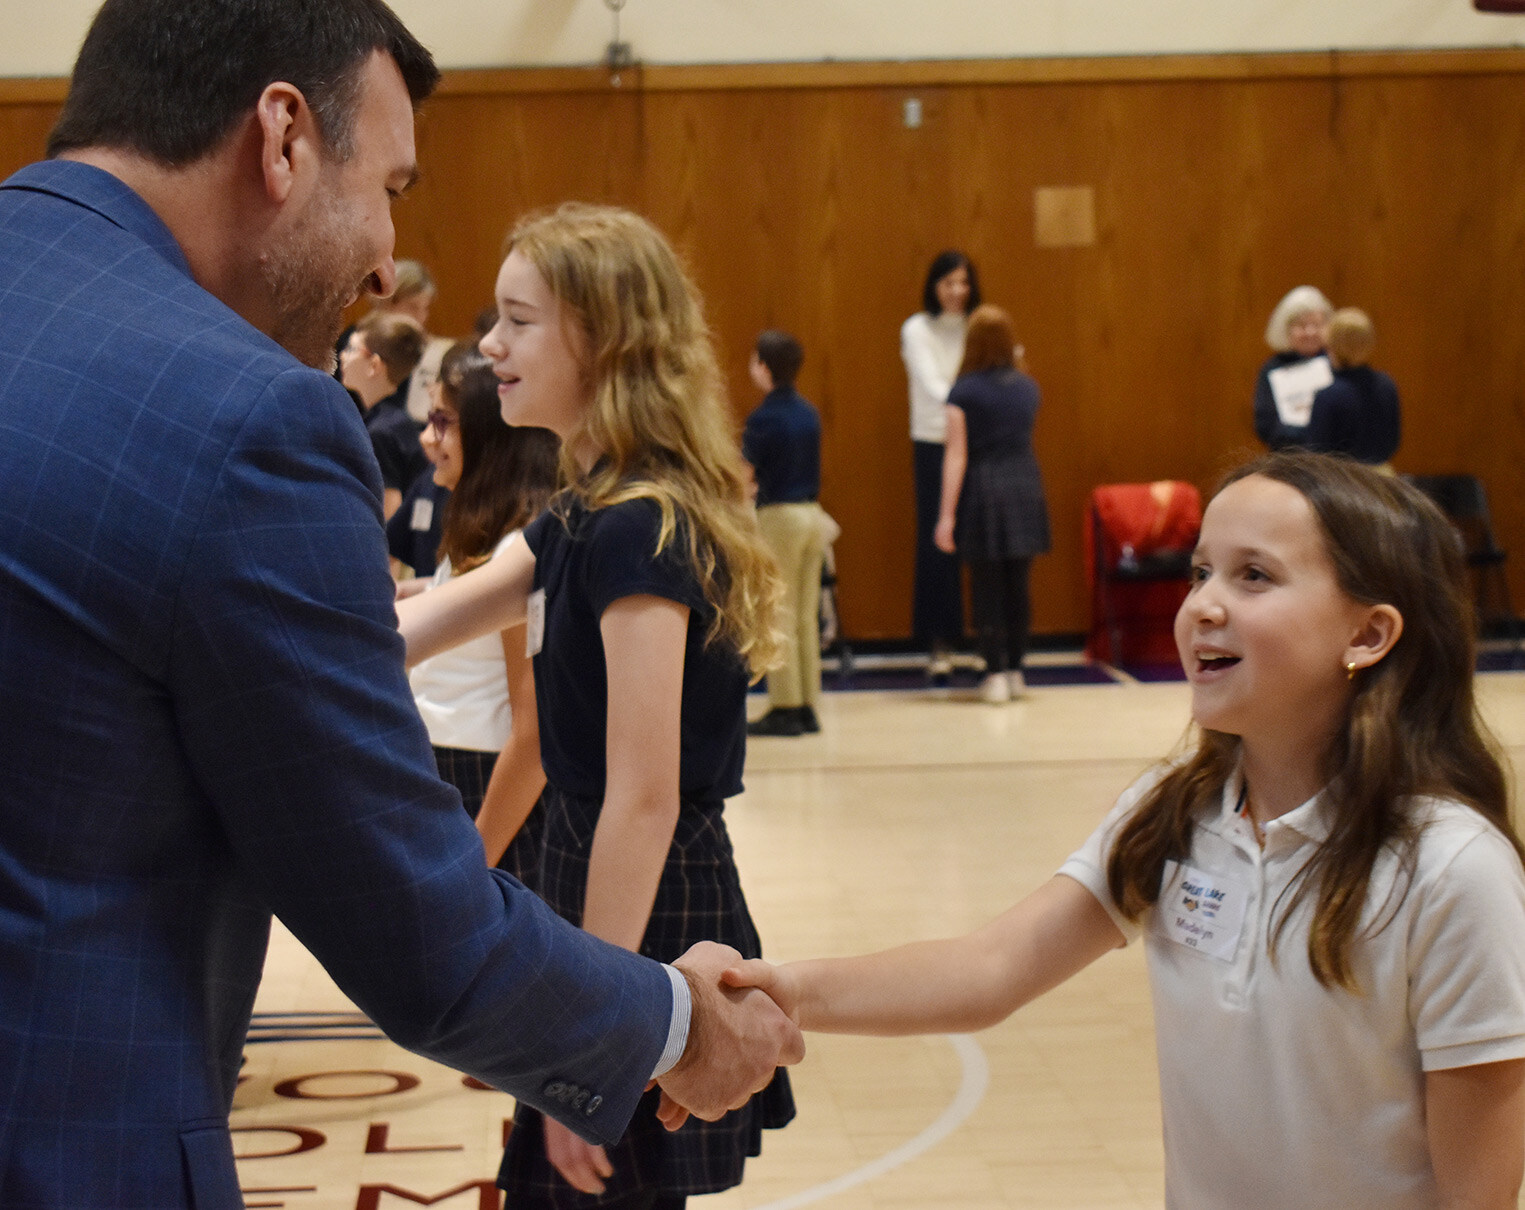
(942, 536)
(582, 1165)
(777, 981)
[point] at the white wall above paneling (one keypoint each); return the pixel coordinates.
(41, 39)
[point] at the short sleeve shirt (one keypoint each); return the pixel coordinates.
(585, 560)
(1276, 1091)
(999, 408)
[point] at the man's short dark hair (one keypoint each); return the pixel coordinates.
(169, 79)
(782, 354)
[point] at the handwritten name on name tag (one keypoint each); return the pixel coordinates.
(1202, 911)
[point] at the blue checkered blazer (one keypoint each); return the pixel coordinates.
(205, 720)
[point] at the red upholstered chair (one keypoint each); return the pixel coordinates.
(1138, 539)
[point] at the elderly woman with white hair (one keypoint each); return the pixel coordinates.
(1296, 370)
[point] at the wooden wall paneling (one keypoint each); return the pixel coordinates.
(489, 158)
(800, 198)
(1440, 261)
(1500, 355)
(24, 129)
(768, 249)
(1400, 259)
(818, 208)
(900, 207)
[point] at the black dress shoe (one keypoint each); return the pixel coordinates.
(778, 721)
(809, 724)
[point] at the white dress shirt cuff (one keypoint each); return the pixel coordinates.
(677, 1032)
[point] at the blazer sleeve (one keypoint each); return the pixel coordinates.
(286, 670)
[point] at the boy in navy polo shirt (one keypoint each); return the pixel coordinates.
(782, 442)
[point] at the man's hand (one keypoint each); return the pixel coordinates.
(737, 1038)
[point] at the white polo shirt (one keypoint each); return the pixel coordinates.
(1277, 1092)
(462, 693)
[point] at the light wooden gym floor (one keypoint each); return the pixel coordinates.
(913, 814)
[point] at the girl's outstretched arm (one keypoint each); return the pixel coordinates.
(490, 598)
(1475, 1119)
(957, 985)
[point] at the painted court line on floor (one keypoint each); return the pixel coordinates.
(972, 1085)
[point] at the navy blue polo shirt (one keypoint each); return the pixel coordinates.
(782, 441)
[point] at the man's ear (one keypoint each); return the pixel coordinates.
(290, 145)
(1378, 632)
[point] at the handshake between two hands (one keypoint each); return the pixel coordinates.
(742, 1028)
(745, 1025)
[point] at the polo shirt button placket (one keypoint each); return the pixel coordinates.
(1246, 952)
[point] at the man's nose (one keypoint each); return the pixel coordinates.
(383, 279)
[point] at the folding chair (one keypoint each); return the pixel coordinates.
(1464, 501)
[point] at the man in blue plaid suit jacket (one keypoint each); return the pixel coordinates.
(201, 685)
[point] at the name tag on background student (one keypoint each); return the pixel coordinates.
(1203, 912)
(534, 622)
(423, 515)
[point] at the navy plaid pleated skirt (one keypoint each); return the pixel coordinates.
(469, 771)
(698, 899)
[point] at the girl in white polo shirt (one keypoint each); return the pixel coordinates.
(1328, 887)
(478, 700)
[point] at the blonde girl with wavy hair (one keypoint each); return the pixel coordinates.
(649, 601)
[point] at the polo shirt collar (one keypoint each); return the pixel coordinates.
(1310, 819)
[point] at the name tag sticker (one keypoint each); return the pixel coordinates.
(1203, 912)
(423, 515)
(534, 623)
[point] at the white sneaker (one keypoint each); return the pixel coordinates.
(995, 689)
(1015, 683)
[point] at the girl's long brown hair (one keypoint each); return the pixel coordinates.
(658, 410)
(1412, 729)
(507, 473)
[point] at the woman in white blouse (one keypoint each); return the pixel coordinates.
(932, 346)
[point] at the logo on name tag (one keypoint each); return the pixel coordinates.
(1203, 912)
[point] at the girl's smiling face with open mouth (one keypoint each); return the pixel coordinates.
(1266, 629)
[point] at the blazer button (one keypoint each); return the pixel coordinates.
(593, 1103)
(555, 1090)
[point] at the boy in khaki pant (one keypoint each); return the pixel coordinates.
(782, 442)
